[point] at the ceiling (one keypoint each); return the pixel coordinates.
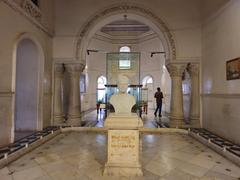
(125, 27)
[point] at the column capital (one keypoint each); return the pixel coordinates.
(58, 69)
(75, 67)
(194, 70)
(175, 69)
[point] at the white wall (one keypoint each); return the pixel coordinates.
(221, 42)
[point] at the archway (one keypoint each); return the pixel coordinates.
(148, 87)
(101, 81)
(132, 12)
(28, 89)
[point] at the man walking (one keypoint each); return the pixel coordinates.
(158, 95)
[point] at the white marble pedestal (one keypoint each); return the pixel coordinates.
(123, 146)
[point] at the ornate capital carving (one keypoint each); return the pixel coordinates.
(176, 69)
(74, 68)
(58, 69)
(194, 70)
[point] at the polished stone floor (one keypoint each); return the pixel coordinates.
(82, 155)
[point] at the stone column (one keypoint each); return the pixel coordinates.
(176, 110)
(74, 110)
(58, 116)
(195, 99)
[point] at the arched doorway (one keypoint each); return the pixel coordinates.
(147, 83)
(27, 88)
(101, 81)
(114, 16)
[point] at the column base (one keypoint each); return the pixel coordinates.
(177, 123)
(122, 170)
(74, 120)
(58, 120)
(195, 122)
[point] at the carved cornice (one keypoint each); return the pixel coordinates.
(27, 15)
(176, 70)
(127, 8)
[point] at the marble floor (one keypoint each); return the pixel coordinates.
(82, 155)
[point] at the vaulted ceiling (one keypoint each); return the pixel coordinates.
(125, 27)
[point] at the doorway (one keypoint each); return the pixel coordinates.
(148, 86)
(26, 97)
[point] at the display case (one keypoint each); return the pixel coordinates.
(126, 64)
(144, 100)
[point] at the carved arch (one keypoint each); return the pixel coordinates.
(156, 23)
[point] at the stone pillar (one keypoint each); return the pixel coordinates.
(74, 110)
(58, 116)
(176, 110)
(195, 99)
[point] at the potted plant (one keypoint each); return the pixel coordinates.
(98, 104)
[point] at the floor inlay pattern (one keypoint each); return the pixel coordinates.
(82, 155)
(221, 145)
(26, 141)
(221, 142)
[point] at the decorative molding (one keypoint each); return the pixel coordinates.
(75, 67)
(7, 94)
(32, 9)
(221, 95)
(125, 8)
(176, 70)
(28, 16)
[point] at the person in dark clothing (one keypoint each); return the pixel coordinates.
(158, 95)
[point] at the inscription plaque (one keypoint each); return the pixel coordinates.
(123, 146)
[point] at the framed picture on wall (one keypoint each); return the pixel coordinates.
(233, 69)
(82, 83)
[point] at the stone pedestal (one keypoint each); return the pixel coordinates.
(123, 146)
(123, 153)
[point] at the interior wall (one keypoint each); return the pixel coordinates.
(221, 98)
(13, 25)
(26, 98)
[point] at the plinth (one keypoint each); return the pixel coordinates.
(123, 146)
